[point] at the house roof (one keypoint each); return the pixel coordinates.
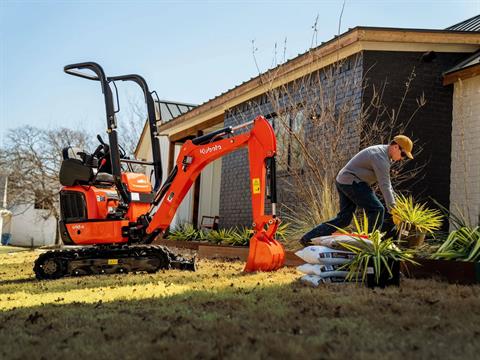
(472, 24)
(172, 109)
(467, 68)
(353, 41)
(169, 110)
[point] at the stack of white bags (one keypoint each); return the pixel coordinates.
(325, 259)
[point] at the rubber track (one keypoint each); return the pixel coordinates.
(62, 259)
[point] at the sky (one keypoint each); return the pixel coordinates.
(188, 51)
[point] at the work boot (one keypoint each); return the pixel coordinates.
(305, 242)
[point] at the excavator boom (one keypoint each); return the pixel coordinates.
(265, 252)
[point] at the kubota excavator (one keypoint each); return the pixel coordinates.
(111, 216)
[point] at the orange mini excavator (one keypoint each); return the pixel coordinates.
(112, 216)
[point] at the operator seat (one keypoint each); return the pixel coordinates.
(79, 168)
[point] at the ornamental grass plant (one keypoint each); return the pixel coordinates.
(377, 252)
(462, 244)
(229, 236)
(416, 217)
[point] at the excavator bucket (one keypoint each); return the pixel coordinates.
(265, 254)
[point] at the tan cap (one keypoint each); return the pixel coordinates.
(405, 143)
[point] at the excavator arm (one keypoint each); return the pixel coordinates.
(265, 253)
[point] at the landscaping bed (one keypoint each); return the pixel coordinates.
(219, 312)
(208, 250)
(452, 271)
(460, 272)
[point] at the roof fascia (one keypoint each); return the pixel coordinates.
(353, 41)
(465, 73)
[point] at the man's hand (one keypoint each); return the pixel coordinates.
(396, 218)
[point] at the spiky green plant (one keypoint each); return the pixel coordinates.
(283, 231)
(186, 232)
(462, 244)
(377, 252)
(221, 235)
(202, 235)
(416, 216)
(239, 237)
(360, 226)
(231, 236)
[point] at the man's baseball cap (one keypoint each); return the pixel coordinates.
(405, 143)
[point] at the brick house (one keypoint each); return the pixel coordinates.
(464, 77)
(381, 55)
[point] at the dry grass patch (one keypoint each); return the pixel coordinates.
(219, 312)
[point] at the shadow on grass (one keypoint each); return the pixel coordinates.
(31, 285)
(16, 282)
(279, 321)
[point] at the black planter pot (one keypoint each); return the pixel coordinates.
(384, 279)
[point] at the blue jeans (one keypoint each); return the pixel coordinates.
(358, 194)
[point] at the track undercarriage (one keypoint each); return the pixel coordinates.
(108, 260)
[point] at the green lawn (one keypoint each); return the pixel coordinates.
(219, 312)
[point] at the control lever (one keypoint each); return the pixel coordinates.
(100, 140)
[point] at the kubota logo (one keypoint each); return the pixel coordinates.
(78, 227)
(210, 149)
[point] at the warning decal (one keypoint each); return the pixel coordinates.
(256, 185)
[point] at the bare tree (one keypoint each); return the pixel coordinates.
(32, 157)
(130, 124)
(318, 128)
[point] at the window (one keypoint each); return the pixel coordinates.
(289, 131)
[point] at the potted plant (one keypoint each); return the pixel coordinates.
(415, 220)
(376, 261)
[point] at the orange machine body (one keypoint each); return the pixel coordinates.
(89, 218)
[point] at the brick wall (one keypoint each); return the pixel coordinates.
(431, 128)
(345, 88)
(235, 194)
(465, 166)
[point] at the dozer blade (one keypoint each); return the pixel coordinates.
(265, 254)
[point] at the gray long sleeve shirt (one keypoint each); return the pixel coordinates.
(370, 165)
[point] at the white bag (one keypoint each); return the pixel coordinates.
(323, 271)
(315, 280)
(324, 255)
